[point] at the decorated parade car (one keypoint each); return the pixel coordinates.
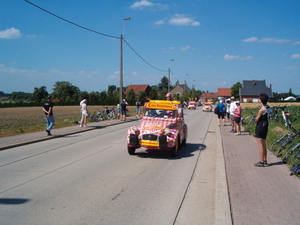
(207, 107)
(162, 128)
(192, 105)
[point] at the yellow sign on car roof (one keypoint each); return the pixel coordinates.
(162, 104)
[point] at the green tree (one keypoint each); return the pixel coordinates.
(235, 90)
(103, 97)
(130, 97)
(64, 89)
(94, 98)
(163, 85)
(111, 88)
(142, 97)
(84, 95)
(39, 94)
(20, 96)
(153, 93)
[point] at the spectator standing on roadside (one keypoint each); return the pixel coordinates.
(237, 117)
(231, 109)
(48, 110)
(123, 110)
(138, 109)
(84, 113)
(119, 110)
(261, 129)
(228, 110)
(221, 112)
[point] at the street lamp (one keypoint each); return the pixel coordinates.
(121, 60)
(169, 71)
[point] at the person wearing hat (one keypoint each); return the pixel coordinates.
(237, 117)
(221, 113)
(231, 109)
(48, 110)
(169, 96)
(84, 113)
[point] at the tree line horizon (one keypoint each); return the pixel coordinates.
(69, 94)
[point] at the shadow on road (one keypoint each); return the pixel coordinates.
(13, 201)
(187, 151)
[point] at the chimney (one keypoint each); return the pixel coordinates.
(271, 87)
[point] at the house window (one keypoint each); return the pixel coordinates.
(177, 93)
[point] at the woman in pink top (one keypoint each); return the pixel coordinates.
(237, 117)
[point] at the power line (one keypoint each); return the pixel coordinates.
(143, 58)
(174, 75)
(75, 24)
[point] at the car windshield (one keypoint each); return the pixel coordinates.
(160, 113)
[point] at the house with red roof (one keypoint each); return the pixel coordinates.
(138, 88)
(223, 93)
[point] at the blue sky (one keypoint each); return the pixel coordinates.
(214, 43)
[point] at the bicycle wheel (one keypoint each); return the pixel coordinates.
(292, 152)
(285, 145)
(276, 144)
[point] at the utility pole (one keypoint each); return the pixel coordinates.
(169, 80)
(121, 68)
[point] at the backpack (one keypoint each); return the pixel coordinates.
(216, 111)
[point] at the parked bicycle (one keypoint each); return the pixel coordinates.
(274, 114)
(294, 151)
(252, 119)
(286, 116)
(284, 141)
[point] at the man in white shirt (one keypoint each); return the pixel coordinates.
(231, 109)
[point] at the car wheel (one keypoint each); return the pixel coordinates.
(174, 150)
(131, 150)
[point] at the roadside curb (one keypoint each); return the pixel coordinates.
(223, 211)
(61, 132)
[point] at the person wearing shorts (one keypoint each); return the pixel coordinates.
(231, 109)
(84, 113)
(123, 106)
(261, 129)
(237, 117)
(221, 112)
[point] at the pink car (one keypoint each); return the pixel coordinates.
(162, 128)
(207, 107)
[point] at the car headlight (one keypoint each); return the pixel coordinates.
(135, 128)
(167, 130)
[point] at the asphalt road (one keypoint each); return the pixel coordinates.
(89, 178)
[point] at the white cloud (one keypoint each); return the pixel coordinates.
(231, 57)
(290, 68)
(296, 43)
(185, 48)
(144, 3)
(273, 40)
(195, 23)
(295, 56)
(135, 74)
(141, 4)
(160, 22)
(268, 40)
(236, 57)
(11, 33)
(182, 20)
(252, 39)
